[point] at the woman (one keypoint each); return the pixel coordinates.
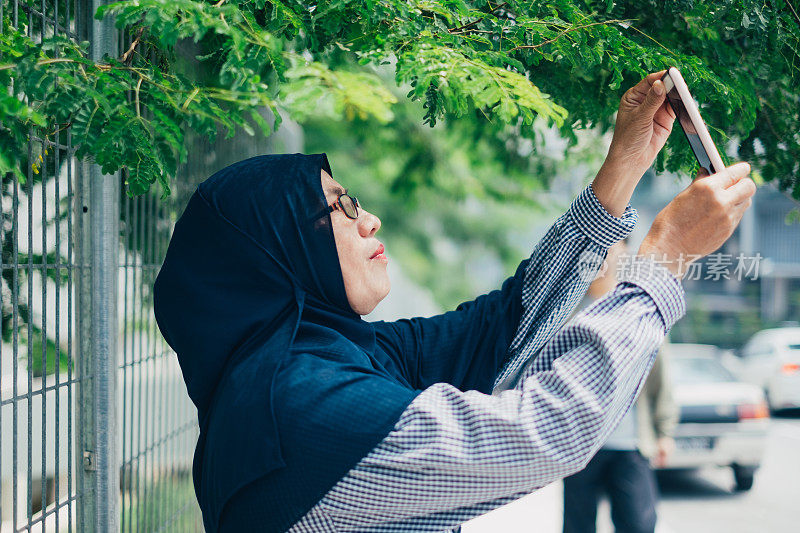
(312, 419)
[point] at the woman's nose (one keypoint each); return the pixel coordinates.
(368, 223)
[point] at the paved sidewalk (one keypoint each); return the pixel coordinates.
(535, 513)
(539, 512)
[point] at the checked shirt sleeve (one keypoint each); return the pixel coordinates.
(455, 455)
(469, 346)
(560, 270)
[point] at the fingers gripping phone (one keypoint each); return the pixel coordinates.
(691, 122)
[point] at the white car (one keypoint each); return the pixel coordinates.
(723, 422)
(771, 360)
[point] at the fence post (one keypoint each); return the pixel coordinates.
(97, 250)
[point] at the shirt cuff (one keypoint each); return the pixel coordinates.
(598, 224)
(660, 284)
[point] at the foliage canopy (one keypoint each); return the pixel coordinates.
(497, 65)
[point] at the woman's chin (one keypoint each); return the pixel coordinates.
(366, 307)
(387, 289)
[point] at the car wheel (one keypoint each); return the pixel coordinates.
(744, 476)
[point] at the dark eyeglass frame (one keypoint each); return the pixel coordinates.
(337, 205)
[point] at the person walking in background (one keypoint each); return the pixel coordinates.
(621, 468)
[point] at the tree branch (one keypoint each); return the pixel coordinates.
(469, 24)
(789, 3)
(561, 34)
(129, 52)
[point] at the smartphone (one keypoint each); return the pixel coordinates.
(688, 115)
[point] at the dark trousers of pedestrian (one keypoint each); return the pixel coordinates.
(630, 483)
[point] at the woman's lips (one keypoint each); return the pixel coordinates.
(378, 254)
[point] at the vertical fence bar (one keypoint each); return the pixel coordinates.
(29, 340)
(98, 345)
(98, 251)
(15, 349)
(127, 482)
(70, 330)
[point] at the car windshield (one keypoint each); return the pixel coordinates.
(699, 370)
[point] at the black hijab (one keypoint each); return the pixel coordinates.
(290, 388)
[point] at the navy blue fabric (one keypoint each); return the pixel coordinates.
(290, 385)
(466, 347)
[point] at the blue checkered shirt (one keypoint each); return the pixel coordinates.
(454, 455)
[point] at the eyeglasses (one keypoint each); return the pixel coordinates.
(345, 203)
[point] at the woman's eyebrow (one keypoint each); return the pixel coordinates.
(335, 189)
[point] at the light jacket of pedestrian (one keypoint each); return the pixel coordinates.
(657, 413)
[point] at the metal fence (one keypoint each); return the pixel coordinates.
(96, 429)
(158, 424)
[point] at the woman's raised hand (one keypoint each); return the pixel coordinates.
(644, 122)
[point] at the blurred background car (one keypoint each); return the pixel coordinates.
(723, 421)
(771, 360)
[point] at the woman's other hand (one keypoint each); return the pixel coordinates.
(700, 218)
